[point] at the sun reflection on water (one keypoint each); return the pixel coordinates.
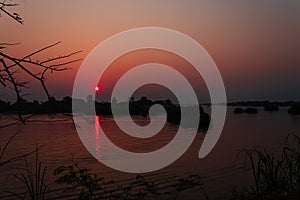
(97, 134)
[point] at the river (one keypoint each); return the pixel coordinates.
(60, 144)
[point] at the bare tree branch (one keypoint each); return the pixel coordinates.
(37, 70)
(59, 57)
(55, 64)
(15, 16)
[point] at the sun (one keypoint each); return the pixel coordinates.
(97, 88)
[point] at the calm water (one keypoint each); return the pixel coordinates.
(62, 144)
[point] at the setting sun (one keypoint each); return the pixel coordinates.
(97, 88)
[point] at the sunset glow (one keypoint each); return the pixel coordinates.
(247, 41)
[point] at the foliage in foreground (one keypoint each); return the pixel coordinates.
(91, 186)
(276, 175)
(33, 179)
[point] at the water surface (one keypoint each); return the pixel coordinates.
(61, 144)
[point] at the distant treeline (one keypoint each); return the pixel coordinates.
(294, 106)
(139, 107)
(262, 103)
(136, 107)
(35, 107)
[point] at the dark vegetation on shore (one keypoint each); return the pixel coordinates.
(92, 186)
(103, 108)
(294, 107)
(136, 108)
(263, 103)
(276, 176)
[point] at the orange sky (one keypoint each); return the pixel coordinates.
(255, 44)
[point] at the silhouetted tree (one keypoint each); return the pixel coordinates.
(168, 102)
(27, 65)
(294, 109)
(67, 99)
(144, 99)
(131, 100)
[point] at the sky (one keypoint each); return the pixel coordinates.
(255, 44)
